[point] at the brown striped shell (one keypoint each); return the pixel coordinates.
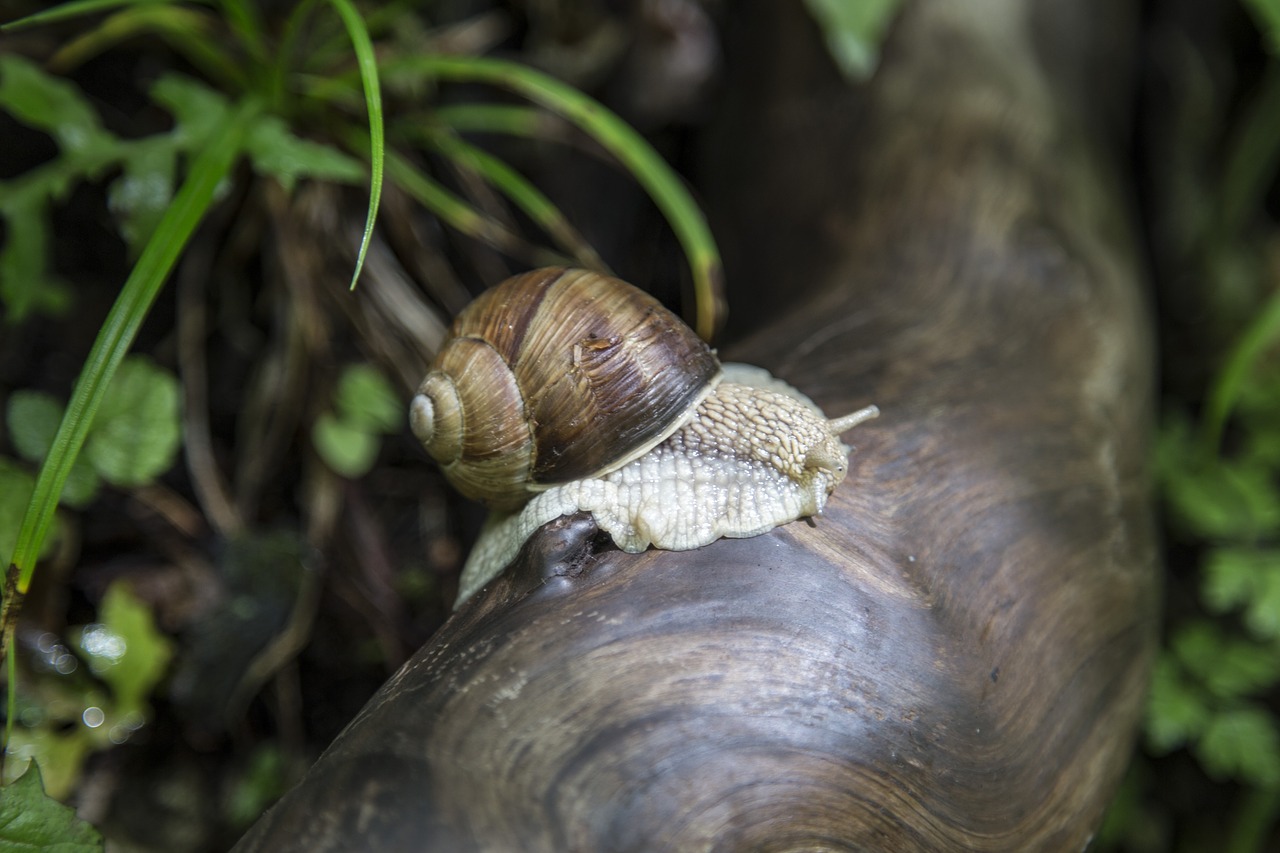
(555, 375)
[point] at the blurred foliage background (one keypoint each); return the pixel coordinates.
(250, 541)
(1207, 776)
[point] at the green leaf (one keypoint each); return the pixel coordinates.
(74, 9)
(1262, 334)
(33, 419)
(26, 286)
(1259, 395)
(1242, 744)
(1199, 647)
(1228, 667)
(246, 21)
(1267, 13)
(368, 64)
(1209, 497)
(124, 649)
(524, 194)
(1247, 578)
(30, 820)
(277, 152)
(853, 31)
(457, 213)
(53, 105)
(140, 196)
(16, 486)
(346, 448)
(59, 746)
(509, 119)
(121, 327)
(366, 399)
(193, 33)
(261, 784)
(138, 428)
(1176, 711)
(1245, 668)
(620, 140)
(82, 485)
(1215, 499)
(198, 110)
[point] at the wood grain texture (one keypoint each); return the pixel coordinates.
(951, 658)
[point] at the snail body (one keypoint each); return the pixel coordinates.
(720, 451)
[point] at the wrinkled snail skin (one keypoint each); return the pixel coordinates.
(749, 460)
(561, 391)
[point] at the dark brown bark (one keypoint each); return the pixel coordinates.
(954, 655)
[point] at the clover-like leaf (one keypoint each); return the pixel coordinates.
(853, 32)
(197, 108)
(137, 430)
(26, 285)
(1243, 744)
(30, 820)
(16, 486)
(1223, 499)
(33, 418)
(1247, 578)
(125, 649)
(347, 448)
(140, 196)
(366, 398)
(1176, 711)
(54, 105)
(1229, 667)
(275, 151)
(59, 744)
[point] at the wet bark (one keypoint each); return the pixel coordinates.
(953, 656)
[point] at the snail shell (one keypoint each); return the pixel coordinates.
(555, 375)
(561, 391)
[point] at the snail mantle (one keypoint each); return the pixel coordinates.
(560, 391)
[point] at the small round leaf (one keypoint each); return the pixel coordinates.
(135, 436)
(345, 447)
(365, 398)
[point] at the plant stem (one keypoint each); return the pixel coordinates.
(114, 339)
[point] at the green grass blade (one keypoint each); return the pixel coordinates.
(1253, 157)
(507, 119)
(11, 691)
(286, 47)
(623, 142)
(461, 216)
(74, 9)
(1267, 15)
(1260, 336)
(188, 31)
(119, 330)
(853, 32)
(246, 21)
(522, 193)
(114, 339)
(368, 63)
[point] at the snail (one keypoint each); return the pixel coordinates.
(562, 390)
